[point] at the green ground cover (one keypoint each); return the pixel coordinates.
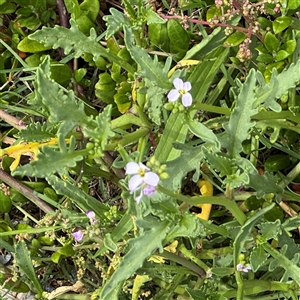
(150, 150)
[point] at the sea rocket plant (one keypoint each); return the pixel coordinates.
(143, 180)
(181, 89)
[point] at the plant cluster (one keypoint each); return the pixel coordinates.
(150, 152)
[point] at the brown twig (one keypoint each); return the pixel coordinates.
(25, 191)
(63, 15)
(11, 120)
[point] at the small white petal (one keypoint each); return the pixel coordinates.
(132, 168)
(187, 99)
(178, 83)
(134, 182)
(142, 166)
(187, 86)
(173, 95)
(138, 198)
(151, 178)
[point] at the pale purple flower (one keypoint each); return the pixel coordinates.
(142, 179)
(242, 268)
(149, 190)
(92, 216)
(181, 89)
(77, 234)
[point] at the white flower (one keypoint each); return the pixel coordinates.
(242, 268)
(181, 89)
(142, 179)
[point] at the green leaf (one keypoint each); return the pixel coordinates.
(282, 55)
(175, 131)
(61, 73)
(74, 40)
(187, 226)
(115, 22)
(140, 248)
(270, 230)
(287, 79)
(291, 268)
(149, 68)
(240, 119)
(158, 35)
(79, 197)
(73, 8)
(55, 257)
(66, 250)
(51, 161)
(156, 99)
(31, 22)
(245, 232)
(203, 133)
(153, 17)
(37, 132)
(258, 257)
(7, 8)
(5, 202)
(265, 58)
(109, 243)
(235, 39)
(213, 11)
(264, 184)
(23, 260)
(218, 161)
(189, 160)
(27, 45)
(271, 42)
(289, 46)
(222, 272)
(92, 8)
(179, 38)
(293, 4)
(61, 105)
(281, 23)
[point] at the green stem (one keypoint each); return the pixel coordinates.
(229, 204)
(184, 262)
(240, 285)
(192, 257)
(290, 176)
(128, 139)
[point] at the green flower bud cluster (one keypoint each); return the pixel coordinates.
(175, 107)
(156, 167)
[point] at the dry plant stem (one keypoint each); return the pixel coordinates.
(283, 183)
(25, 191)
(241, 29)
(109, 161)
(11, 120)
(62, 12)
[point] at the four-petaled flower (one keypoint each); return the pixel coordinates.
(181, 89)
(77, 234)
(92, 216)
(242, 268)
(143, 179)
